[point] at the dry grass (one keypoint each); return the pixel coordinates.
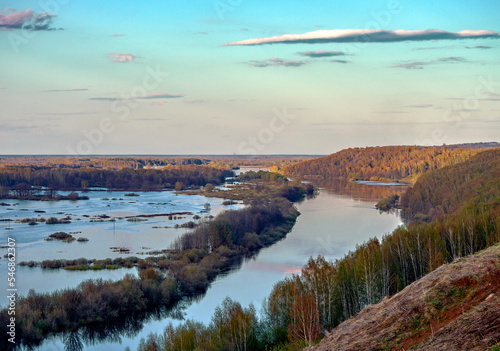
(456, 307)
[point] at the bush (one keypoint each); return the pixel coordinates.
(62, 236)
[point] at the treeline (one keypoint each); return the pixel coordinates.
(138, 162)
(233, 328)
(379, 163)
(92, 302)
(301, 307)
(196, 259)
(264, 175)
(250, 228)
(25, 180)
(445, 191)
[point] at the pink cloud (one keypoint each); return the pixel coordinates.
(9, 19)
(27, 19)
(122, 58)
(117, 35)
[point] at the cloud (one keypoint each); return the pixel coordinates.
(25, 19)
(453, 59)
(420, 106)
(146, 97)
(367, 35)
(321, 53)
(478, 47)
(194, 102)
(122, 58)
(492, 97)
(436, 47)
(277, 62)
(421, 64)
(68, 113)
(340, 61)
(107, 99)
(149, 119)
(117, 35)
(160, 96)
(489, 97)
(412, 65)
(64, 90)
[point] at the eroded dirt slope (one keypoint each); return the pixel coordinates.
(456, 307)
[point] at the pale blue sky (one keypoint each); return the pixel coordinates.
(61, 85)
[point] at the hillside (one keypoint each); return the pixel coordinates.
(446, 190)
(456, 307)
(396, 163)
(440, 294)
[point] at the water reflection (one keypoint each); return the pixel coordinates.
(341, 216)
(361, 191)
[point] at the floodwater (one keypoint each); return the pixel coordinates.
(331, 224)
(103, 234)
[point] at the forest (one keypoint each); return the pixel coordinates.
(139, 162)
(193, 261)
(389, 163)
(300, 308)
(23, 181)
(438, 193)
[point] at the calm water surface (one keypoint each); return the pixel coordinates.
(331, 224)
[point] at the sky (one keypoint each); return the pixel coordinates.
(246, 77)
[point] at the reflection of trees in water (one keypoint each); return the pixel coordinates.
(363, 192)
(72, 342)
(130, 326)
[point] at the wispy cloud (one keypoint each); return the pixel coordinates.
(107, 99)
(478, 47)
(146, 97)
(391, 112)
(321, 53)
(68, 113)
(277, 62)
(492, 97)
(436, 47)
(452, 59)
(117, 35)
(367, 35)
(420, 106)
(63, 90)
(25, 19)
(412, 65)
(421, 64)
(340, 61)
(160, 96)
(194, 102)
(122, 58)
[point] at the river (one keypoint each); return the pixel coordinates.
(331, 224)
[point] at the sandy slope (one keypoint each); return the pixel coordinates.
(456, 307)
